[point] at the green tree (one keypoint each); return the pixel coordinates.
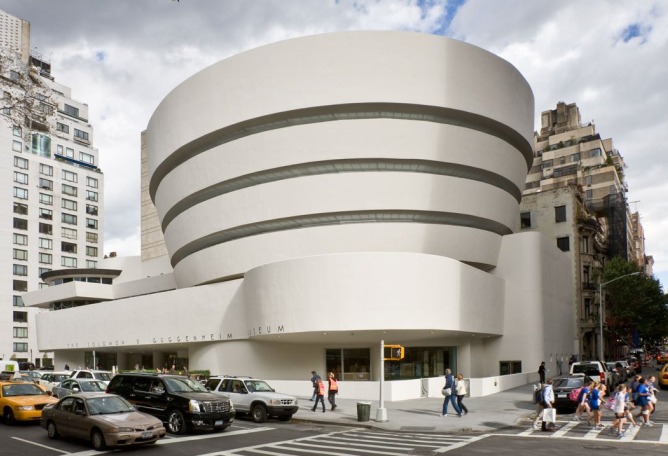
(635, 303)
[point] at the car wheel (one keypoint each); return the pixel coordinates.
(176, 424)
(97, 439)
(51, 430)
(285, 417)
(8, 416)
(259, 413)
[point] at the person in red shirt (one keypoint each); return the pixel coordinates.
(333, 390)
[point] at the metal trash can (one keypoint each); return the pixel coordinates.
(363, 411)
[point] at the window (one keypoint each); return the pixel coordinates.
(20, 178)
(17, 146)
(20, 193)
(69, 190)
(45, 169)
(14, 75)
(91, 237)
(91, 264)
(20, 239)
(69, 233)
(589, 194)
(587, 308)
(587, 180)
(20, 269)
(45, 243)
(18, 301)
(71, 110)
(69, 176)
(510, 367)
(20, 333)
(20, 285)
(68, 262)
(69, 204)
(42, 271)
(68, 218)
(585, 275)
(547, 164)
(46, 199)
(59, 149)
(575, 157)
(69, 152)
(20, 208)
(585, 244)
(20, 224)
(563, 243)
(91, 196)
(560, 214)
(68, 247)
(16, 131)
(86, 158)
(21, 163)
(91, 182)
(45, 184)
(595, 153)
(41, 145)
(91, 223)
(90, 251)
(45, 213)
(91, 210)
(20, 254)
(62, 127)
(78, 134)
(20, 347)
(45, 258)
(45, 228)
(525, 220)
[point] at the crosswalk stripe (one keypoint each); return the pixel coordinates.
(630, 433)
(564, 429)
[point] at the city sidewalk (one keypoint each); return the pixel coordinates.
(501, 410)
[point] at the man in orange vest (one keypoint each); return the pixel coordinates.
(320, 396)
(333, 390)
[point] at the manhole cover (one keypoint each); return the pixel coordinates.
(599, 447)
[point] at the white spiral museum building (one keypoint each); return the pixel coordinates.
(322, 194)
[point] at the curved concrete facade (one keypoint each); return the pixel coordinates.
(316, 145)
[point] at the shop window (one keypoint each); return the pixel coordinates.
(510, 367)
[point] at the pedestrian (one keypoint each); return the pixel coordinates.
(540, 406)
(548, 400)
(583, 404)
(652, 394)
(643, 402)
(541, 372)
(560, 363)
(450, 394)
(333, 390)
(618, 408)
(634, 387)
(67, 367)
(595, 398)
(460, 388)
(320, 397)
(314, 380)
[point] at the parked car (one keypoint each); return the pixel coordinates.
(597, 370)
(563, 385)
(101, 375)
(254, 397)
(34, 375)
(78, 385)
(51, 379)
(180, 402)
(662, 358)
(106, 420)
(662, 378)
(22, 401)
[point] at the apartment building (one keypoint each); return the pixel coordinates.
(51, 186)
(575, 194)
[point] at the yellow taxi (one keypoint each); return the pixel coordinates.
(22, 401)
(662, 379)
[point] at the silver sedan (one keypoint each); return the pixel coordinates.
(78, 385)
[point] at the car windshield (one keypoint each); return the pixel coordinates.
(93, 386)
(590, 370)
(102, 376)
(59, 377)
(257, 385)
(25, 389)
(183, 385)
(575, 382)
(108, 405)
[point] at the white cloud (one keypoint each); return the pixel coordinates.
(570, 51)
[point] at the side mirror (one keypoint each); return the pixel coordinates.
(75, 389)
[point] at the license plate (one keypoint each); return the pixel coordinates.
(146, 435)
(219, 423)
(562, 395)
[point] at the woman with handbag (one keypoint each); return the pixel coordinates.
(450, 394)
(460, 388)
(549, 413)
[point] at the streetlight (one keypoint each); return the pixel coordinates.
(600, 311)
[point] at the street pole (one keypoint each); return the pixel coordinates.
(381, 413)
(600, 311)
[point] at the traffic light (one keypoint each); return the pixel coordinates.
(393, 352)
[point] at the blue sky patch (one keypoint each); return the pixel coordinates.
(100, 56)
(635, 31)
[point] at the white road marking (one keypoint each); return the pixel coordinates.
(40, 445)
(564, 429)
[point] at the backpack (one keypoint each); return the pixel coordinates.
(539, 396)
(575, 394)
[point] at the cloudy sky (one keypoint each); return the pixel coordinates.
(123, 56)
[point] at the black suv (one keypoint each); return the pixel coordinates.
(178, 401)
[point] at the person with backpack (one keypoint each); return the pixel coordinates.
(619, 405)
(548, 400)
(583, 405)
(538, 400)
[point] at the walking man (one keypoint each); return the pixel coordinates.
(450, 393)
(320, 397)
(333, 390)
(541, 372)
(314, 380)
